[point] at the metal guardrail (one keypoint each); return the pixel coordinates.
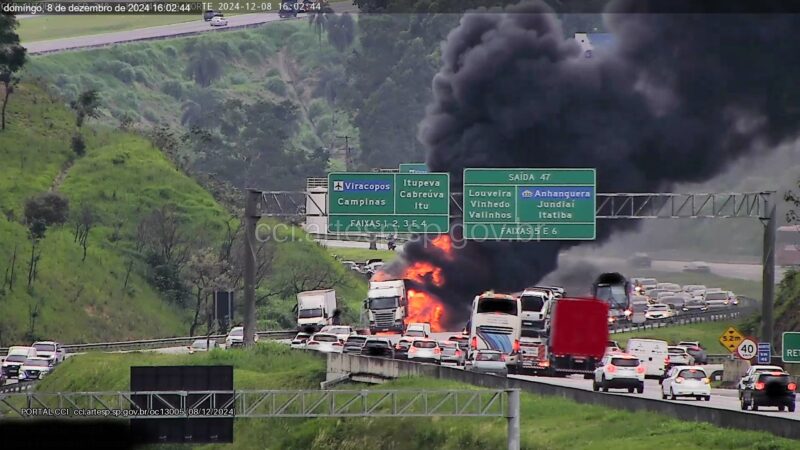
(688, 318)
(17, 387)
(145, 344)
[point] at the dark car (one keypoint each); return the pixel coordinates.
(378, 347)
(769, 389)
(210, 14)
(401, 349)
(12, 365)
(354, 344)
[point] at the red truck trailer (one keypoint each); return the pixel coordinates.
(578, 335)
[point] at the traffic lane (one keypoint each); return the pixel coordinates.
(163, 31)
(652, 390)
(145, 33)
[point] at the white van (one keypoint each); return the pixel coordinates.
(652, 353)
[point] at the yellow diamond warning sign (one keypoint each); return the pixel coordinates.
(731, 339)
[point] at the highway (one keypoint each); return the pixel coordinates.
(161, 32)
(720, 398)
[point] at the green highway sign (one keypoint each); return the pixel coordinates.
(367, 202)
(791, 347)
(413, 168)
(529, 204)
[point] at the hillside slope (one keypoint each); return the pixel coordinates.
(121, 178)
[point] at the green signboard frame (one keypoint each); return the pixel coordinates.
(501, 204)
(374, 202)
(790, 340)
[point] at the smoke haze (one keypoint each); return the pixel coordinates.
(677, 99)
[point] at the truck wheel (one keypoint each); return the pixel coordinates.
(595, 387)
(781, 408)
(640, 389)
(663, 395)
(743, 405)
(630, 390)
(708, 398)
(672, 394)
(791, 407)
(604, 384)
(753, 406)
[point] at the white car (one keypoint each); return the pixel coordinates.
(659, 311)
(299, 341)
(236, 337)
(219, 21)
(35, 368)
(679, 356)
(203, 345)
(342, 332)
(619, 371)
(425, 350)
(717, 299)
(686, 381)
(49, 349)
(325, 343)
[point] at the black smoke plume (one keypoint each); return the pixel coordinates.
(677, 99)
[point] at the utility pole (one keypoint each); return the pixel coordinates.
(347, 162)
(768, 269)
(251, 216)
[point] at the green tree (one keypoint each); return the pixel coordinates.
(86, 105)
(12, 58)
(341, 31)
(205, 63)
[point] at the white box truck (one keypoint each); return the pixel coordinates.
(314, 308)
(387, 305)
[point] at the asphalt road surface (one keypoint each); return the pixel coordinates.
(720, 398)
(160, 32)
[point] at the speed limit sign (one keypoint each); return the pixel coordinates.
(748, 349)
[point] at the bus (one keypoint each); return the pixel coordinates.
(787, 246)
(615, 290)
(496, 324)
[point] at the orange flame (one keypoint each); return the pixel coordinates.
(423, 272)
(443, 243)
(424, 307)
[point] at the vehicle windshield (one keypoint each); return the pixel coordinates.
(692, 374)
(383, 302)
(625, 362)
(424, 344)
(415, 333)
(16, 358)
(527, 332)
(326, 338)
(717, 296)
(378, 344)
(676, 351)
(237, 332)
(338, 330)
(356, 340)
(658, 308)
(301, 337)
(771, 378)
(308, 313)
(200, 343)
(44, 347)
(615, 296)
(532, 303)
(488, 357)
(36, 362)
(497, 305)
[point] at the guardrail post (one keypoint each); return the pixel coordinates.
(513, 419)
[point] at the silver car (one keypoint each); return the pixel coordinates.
(325, 343)
(299, 341)
(489, 362)
(425, 350)
(452, 353)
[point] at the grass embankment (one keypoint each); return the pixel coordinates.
(547, 422)
(57, 27)
(121, 178)
(148, 82)
(707, 333)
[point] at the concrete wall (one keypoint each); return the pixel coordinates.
(379, 368)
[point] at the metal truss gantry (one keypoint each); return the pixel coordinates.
(267, 404)
(610, 206)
